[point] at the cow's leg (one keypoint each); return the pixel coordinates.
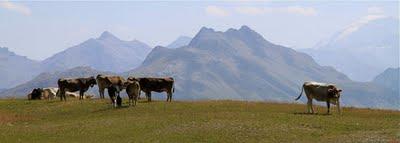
(328, 105)
(101, 93)
(169, 96)
(81, 95)
(135, 99)
(63, 95)
(338, 106)
(148, 95)
(60, 93)
(130, 100)
(310, 106)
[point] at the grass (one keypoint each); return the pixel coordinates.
(181, 121)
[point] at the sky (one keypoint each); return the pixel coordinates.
(40, 29)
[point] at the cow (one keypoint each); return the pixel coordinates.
(104, 82)
(75, 84)
(149, 84)
(35, 94)
(76, 95)
(321, 92)
(114, 96)
(49, 93)
(133, 91)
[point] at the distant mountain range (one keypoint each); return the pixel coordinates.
(106, 53)
(181, 41)
(361, 52)
(15, 69)
(237, 64)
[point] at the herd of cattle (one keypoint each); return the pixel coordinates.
(114, 85)
(133, 86)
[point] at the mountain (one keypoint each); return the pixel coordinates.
(106, 53)
(240, 64)
(370, 47)
(390, 78)
(16, 69)
(50, 80)
(180, 42)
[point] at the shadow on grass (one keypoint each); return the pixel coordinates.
(110, 107)
(316, 114)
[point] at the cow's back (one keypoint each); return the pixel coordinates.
(318, 91)
(156, 84)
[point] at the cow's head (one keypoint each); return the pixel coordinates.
(36, 93)
(91, 81)
(334, 92)
(133, 78)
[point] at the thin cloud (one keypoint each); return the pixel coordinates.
(307, 11)
(299, 10)
(216, 11)
(373, 13)
(375, 10)
(15, 7)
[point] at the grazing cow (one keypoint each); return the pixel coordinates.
(35, 94)
(75, 84)
(148, 84)
(133, 91)
(321, 92)
(49, 92)
(104, 82)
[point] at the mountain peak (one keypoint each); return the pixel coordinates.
(107, 35)
(245, 28)
(206, 30)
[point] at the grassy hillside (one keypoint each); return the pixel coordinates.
(202, 121)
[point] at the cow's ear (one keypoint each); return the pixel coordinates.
(339, 90)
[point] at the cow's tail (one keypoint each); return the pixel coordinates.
(173, 88)
(302, 88)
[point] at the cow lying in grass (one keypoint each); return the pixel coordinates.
(321, 92)
(36, 94)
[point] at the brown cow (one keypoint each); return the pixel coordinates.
(104, 82)
(149, 84)
(75, 84)
(133, 91)
(321, 92)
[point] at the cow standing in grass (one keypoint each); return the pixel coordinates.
(113, 92)
(149, 84)
(73, 85)
(133, 91)
(321, 92)
(104, 81)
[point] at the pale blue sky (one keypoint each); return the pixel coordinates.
(40, 29)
